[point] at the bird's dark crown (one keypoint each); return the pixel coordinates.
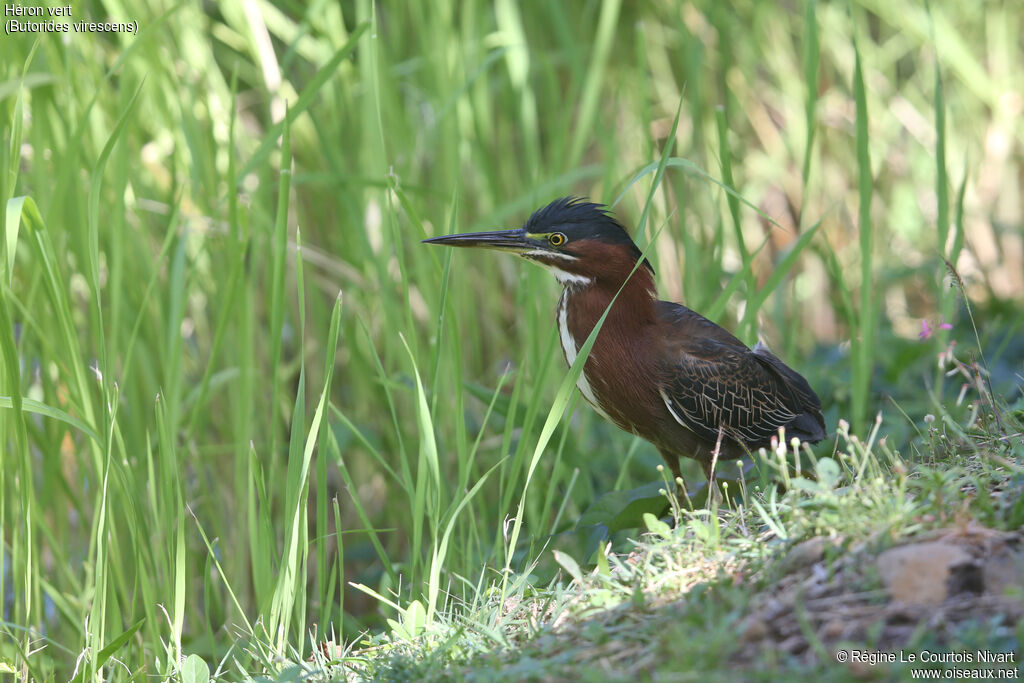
(579, 219)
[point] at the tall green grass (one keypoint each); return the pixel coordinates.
(207, 451)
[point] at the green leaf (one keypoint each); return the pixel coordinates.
(603, 568)
(32, 406)
(809, 485)
(414, 620)
(828, 472)
(619, 510)
(568, 564)
(112, 647)
(771, 520)
(656, 526)
(195, 670)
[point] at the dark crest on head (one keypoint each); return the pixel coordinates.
(580, 219)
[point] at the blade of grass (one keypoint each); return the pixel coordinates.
(427, 492)
(863, 342)
(781, 270)
(279, 251)
(29, 405)
(811, 61)
(603, 39)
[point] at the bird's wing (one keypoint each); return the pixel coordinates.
(794, 379)
(710, 381)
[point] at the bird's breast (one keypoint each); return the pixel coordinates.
(619, 377)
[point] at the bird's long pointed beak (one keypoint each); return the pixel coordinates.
(503, 240)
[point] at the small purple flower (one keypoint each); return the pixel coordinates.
(926, 329)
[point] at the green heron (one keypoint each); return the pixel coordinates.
(656, 369)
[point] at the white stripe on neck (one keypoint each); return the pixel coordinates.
(572, 350)
(567, 278)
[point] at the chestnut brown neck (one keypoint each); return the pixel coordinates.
(601, 271)
(617, 356)
(633, 308)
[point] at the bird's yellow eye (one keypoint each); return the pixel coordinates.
(556, 239)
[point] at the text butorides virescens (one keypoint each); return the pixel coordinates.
(657, 369)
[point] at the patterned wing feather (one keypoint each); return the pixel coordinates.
(712, 380)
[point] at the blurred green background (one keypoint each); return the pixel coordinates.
(200, 193)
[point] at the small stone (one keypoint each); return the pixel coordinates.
(806, 553)
(754, 629)
(919, 573)
(1003, 572)
(833, 629)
